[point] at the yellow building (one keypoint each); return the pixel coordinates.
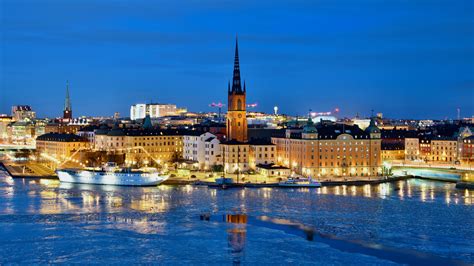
(412, 149)
(444, 150)
(432, 149)
(60, 146)
(235, 155)
(331, 150)
(141, 146)
(261, 153)
(393, 155)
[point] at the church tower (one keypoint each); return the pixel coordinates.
(236, 123)
(67, 112)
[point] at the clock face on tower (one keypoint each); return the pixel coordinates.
(240, 115)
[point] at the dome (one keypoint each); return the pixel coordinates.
(147, 122)
(372, 128)
(310, 127)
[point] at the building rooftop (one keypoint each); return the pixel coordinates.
(234, 142)
(62, 137)
(260, 142)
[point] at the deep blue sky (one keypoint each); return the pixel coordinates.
(405, 58)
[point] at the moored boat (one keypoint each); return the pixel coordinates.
(300, 183)
(113, 175)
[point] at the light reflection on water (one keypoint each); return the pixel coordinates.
(348, 211)
(52, 197)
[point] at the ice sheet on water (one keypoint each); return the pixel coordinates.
(46, 222)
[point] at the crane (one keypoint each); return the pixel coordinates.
(218, 105)
(252, 105)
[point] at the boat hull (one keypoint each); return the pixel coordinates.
(312, 185)
(115, 179)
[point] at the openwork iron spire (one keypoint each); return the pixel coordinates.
(236, 84)
(67, 102)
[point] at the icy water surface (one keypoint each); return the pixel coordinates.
(410, 222)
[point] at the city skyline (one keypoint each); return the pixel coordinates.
(181, 58)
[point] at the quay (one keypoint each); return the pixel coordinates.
(39, 171)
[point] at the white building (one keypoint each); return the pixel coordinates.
(139, 111)
(203, 149)
(212, 155)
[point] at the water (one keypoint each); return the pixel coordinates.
(415, 221)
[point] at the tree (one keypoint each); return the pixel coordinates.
(217, 168)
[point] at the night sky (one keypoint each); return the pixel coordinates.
(405, 58)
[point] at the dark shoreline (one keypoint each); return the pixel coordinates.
(459, 184)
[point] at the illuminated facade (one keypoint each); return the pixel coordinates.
(261, 153)
(331, 150)
(432, 149)
(4, 122)
(155, 110)
(141, 145)
(393, 144)
(467, 155)
(202, 148)
(25, 131)
(412, 149)
(235, 155)
(60, 146)
(444, 150)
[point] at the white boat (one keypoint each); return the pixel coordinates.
(303, 183)
(112, 175)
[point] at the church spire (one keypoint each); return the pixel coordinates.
(67, 102)
(67, 112)
(236, 85)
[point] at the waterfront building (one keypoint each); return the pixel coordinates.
(444, 149)
(412, 149)
(212, 153)
(273, 170)
(463, 133)
(428, 148)
(201, 148)
(23, 112)
(393, 144)
(25, 131)
(60, 146)
(155, 110)
(331, 150)
(142, 146)
(235, 155)
(262, 152)
(467, 155)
